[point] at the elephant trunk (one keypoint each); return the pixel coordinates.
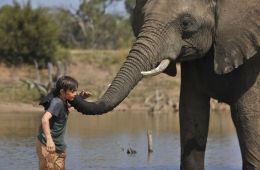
(143, 56)
(126, 79)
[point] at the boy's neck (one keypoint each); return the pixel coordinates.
(62, 98)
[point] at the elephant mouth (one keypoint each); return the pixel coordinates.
(188, 53)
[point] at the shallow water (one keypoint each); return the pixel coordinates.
(100, 142)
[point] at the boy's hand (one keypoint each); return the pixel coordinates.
(50, 145)
(85, 94)
(70, 108)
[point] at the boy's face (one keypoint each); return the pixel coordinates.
(69, 94)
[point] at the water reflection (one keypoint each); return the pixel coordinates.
(134, 123)
(117, 123)
(100, 142)
(18, 124)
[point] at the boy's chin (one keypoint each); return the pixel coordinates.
(71, 99)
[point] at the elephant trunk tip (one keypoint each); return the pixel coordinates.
(90, 108)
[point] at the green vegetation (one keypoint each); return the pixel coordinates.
(27, 35)
(91, 27)
(17, 92)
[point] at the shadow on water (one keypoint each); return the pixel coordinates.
(100, 142)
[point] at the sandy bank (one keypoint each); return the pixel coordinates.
(19, 107)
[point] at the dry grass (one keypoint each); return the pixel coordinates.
(94, 69)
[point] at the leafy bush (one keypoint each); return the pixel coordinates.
(90, 26)
(27, 34)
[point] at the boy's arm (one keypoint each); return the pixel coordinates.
(47, 132)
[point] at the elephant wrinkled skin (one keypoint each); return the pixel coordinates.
(217, 43)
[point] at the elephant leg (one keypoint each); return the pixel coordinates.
(194, 122)
(246, 117)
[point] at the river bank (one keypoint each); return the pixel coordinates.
(17, 107)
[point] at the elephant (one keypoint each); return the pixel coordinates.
(217, 43)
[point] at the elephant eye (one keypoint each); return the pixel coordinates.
(188, 24)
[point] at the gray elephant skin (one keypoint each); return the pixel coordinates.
(217, 43)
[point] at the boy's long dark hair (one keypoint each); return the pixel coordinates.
(65, 83)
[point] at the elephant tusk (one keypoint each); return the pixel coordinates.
(162, 66)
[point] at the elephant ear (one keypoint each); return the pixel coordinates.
(237, 33)
(138, 16)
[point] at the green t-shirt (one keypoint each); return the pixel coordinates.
(58, 122)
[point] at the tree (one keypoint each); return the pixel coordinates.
(27, 34)
(129, 6)
(90, 26)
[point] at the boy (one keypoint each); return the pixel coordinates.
(50, 140)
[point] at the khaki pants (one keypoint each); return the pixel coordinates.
(49, 161)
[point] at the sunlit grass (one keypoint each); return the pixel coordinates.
(94, 69)
(18, 92)
(101, 57)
